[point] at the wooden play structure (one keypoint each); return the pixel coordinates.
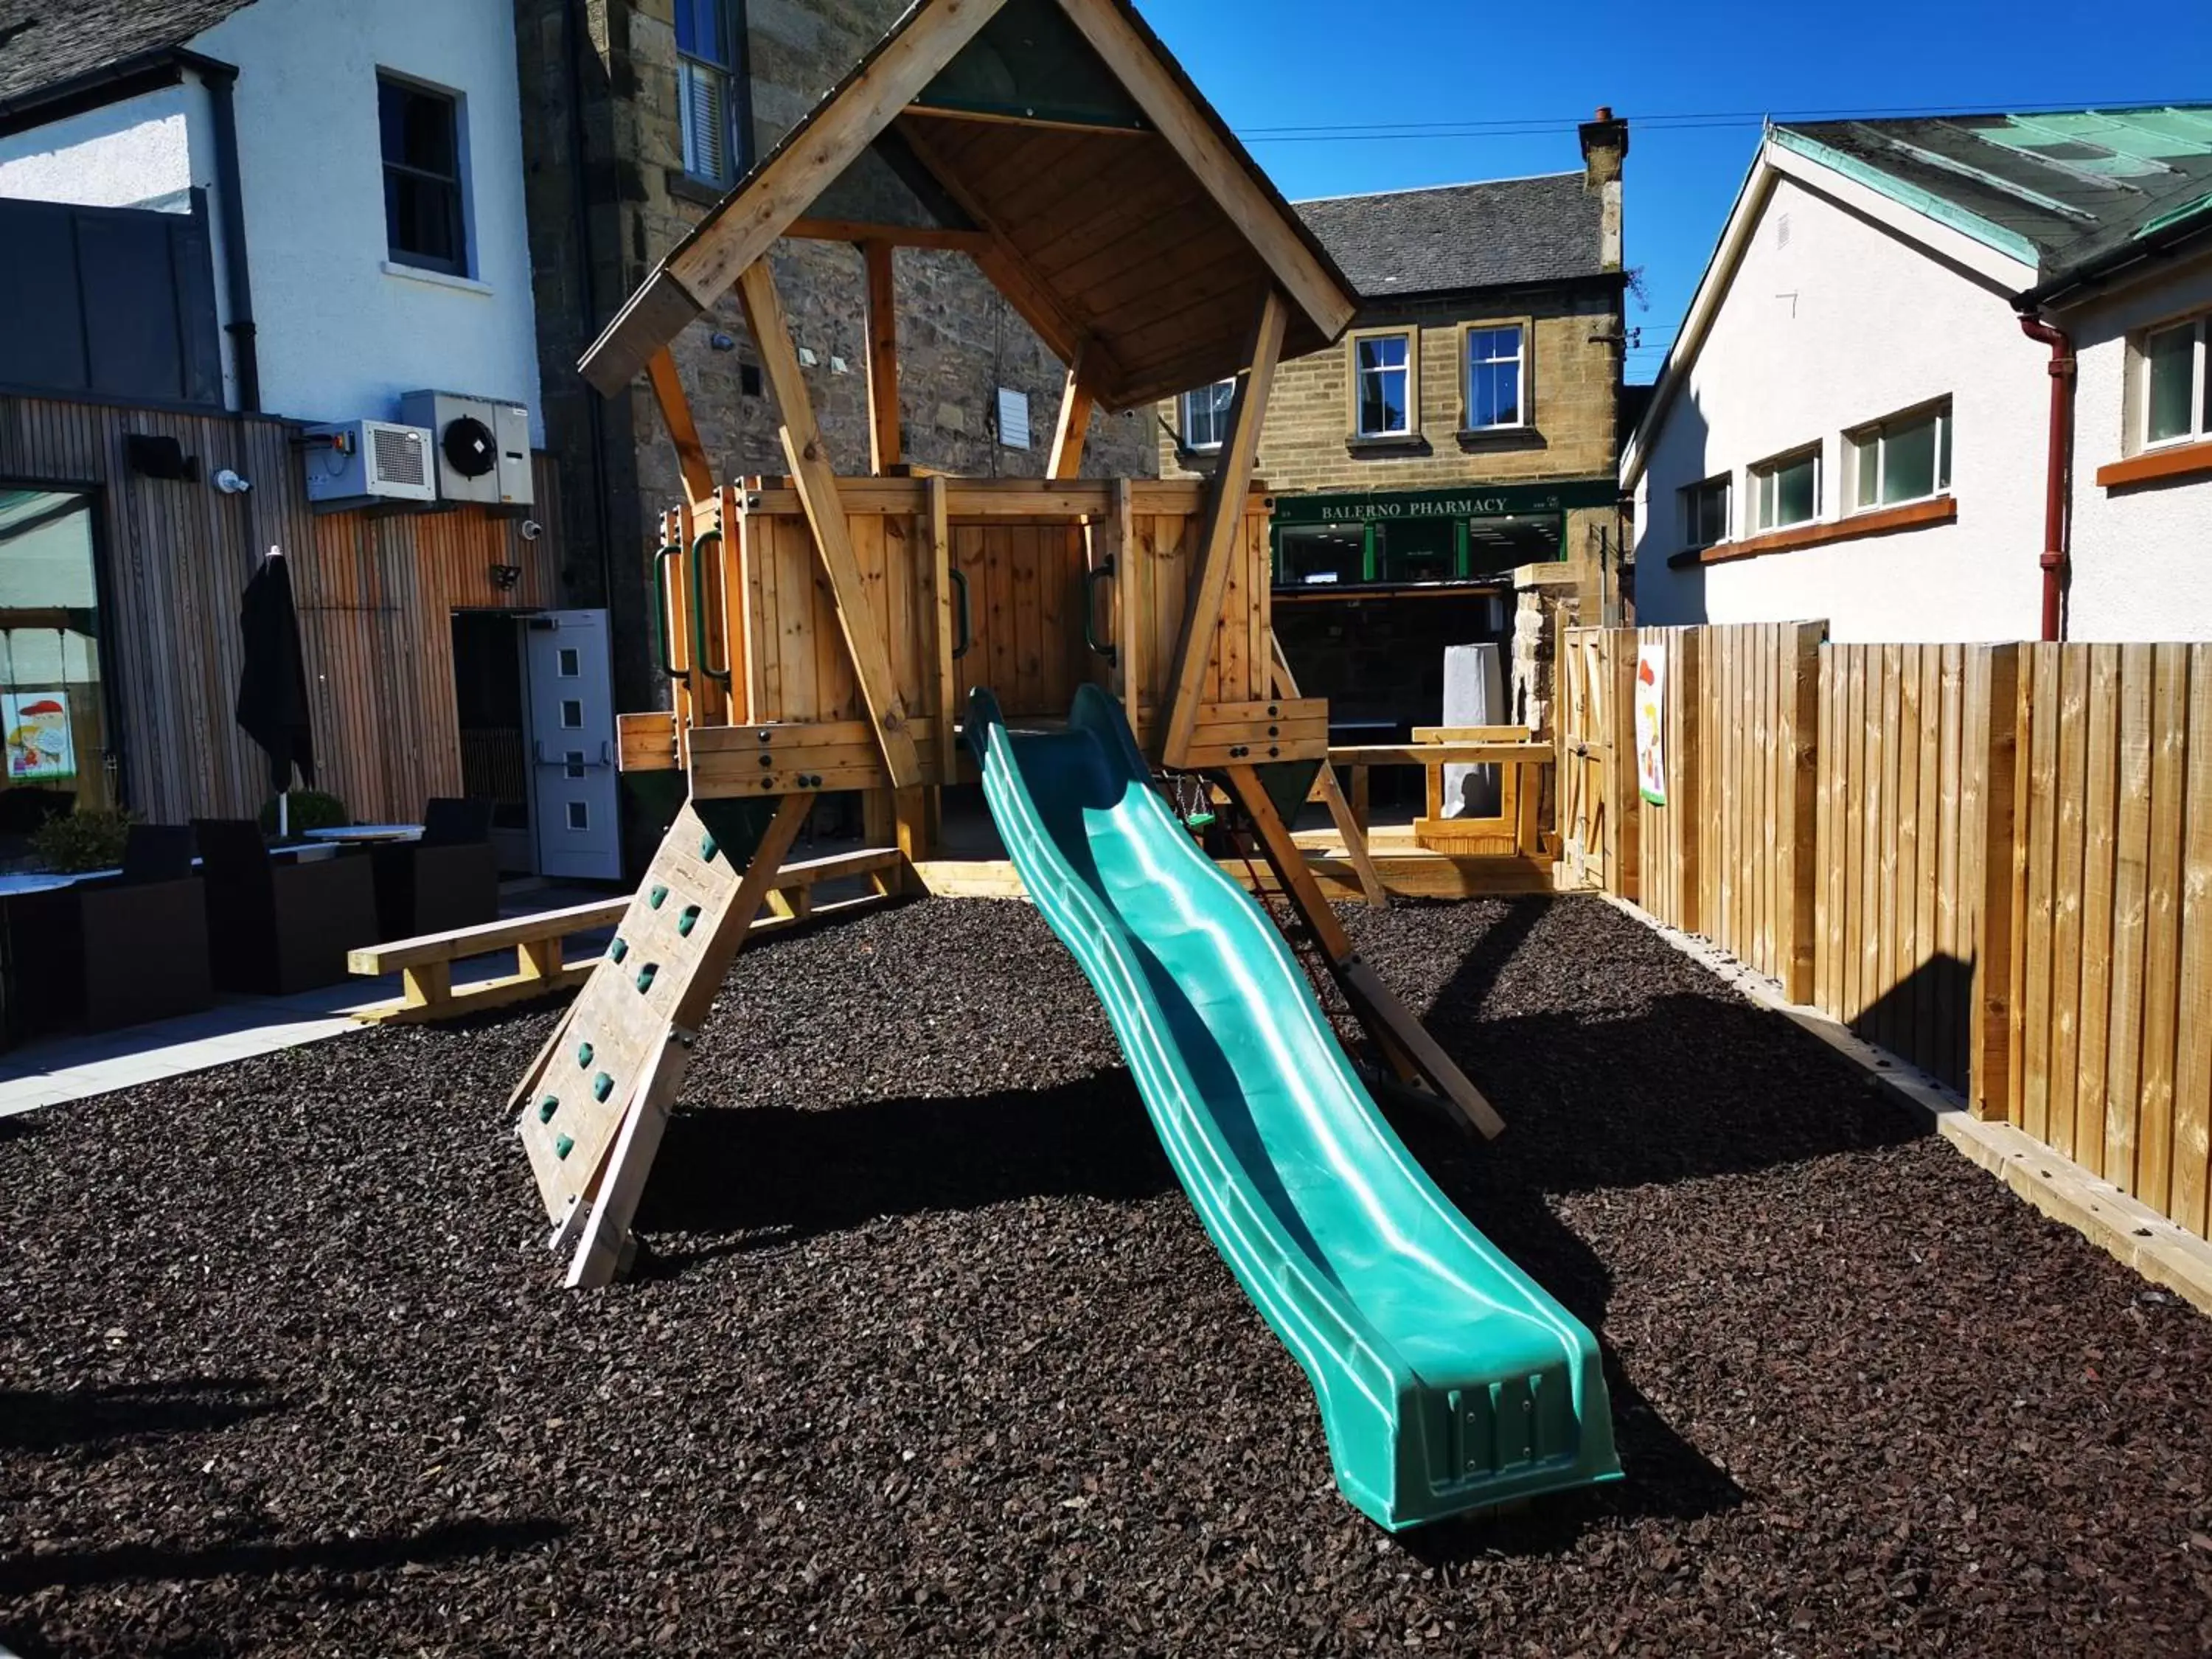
(822, 632)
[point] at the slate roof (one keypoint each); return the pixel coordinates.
(43, 43)
(2068, 188)
(1504, 231)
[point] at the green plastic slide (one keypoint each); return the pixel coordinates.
(1448, 1381)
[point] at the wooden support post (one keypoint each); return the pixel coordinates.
(816, 484)
(884, 436)
(682, 430)
(1132, 608)
(1994, 726)
(1348, 824)
(936, 506)
(1221, 530)
(426, 985)
(1401, 1037)
(1074, 422)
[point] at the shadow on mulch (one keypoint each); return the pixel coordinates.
(455, 1540)
(40, 1422)
(777, 1174)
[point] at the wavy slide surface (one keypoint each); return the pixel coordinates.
(1446, 1379)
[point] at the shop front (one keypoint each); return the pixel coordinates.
(1423, 538)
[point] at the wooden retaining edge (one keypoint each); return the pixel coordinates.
(1423, 875)
(2122, 1227)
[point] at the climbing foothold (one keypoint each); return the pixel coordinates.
(619, 949)
(657, 898)
(562, 1146)
(602, 1086)
(546, 1108)
(687, 920)
(707, 848)
(645, 976)
(583, 1054)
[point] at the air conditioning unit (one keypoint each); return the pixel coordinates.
(355, 462)
(482, 446)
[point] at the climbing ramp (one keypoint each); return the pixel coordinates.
(592, 1105)
(1448, 1380)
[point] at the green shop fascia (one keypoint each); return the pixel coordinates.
(1394, 538)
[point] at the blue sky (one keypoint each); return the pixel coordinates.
(1525, 74)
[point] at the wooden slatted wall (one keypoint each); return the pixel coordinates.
(2010, 854)
(1903, 827)
(375, 597)
(1026, 594)
(2112, 975)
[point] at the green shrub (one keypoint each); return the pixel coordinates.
(82, 840)
(311, 810)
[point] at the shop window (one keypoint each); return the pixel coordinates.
(1206, 414)
(1322, 555)
(1705, 511)
(1505, 541)
(1418, 550)
(1383, 384)
(1497, 363)
(2177, 383)
(1907, 457)
(1786, 490)
(52, 703)
(420, 128)
(704, 64)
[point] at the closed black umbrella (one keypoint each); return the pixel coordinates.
(272, 692)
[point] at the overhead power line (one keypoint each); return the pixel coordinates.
(1682, 120)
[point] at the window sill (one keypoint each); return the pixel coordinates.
(1500, 437)
(1396, 443)
(2175, 461)
(1881, 521)
(436, 278)
(684, 187)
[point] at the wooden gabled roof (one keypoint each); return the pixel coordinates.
(1060, 144)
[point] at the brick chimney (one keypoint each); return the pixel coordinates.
(1604, 148)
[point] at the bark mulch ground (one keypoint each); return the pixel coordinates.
(931, 1356)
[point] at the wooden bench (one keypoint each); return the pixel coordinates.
(425, 965)
(1515, 832)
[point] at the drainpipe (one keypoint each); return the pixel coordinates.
(2058, 446)
(245, 359)
(573, 49)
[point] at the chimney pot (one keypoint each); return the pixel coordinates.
(1605, 111)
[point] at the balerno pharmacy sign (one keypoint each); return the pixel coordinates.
(1481, 501)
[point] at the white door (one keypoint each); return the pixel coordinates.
(572, 744)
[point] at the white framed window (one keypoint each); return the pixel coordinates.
(419, 130)
(1384, 385)
(704, 62)
(572, 714)
(1013, 418)
(1907, 457)
(1786, 490)
(1206, 414)
(2177, 383)
(1496, 367)
(1705, 511)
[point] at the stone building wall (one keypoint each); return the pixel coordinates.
(958, 340)
(1572, 387)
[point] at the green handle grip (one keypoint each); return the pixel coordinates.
(673, 551)
(720, 676)
(964, 634)
(1091, 580)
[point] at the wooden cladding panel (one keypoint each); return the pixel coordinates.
(375, 599)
